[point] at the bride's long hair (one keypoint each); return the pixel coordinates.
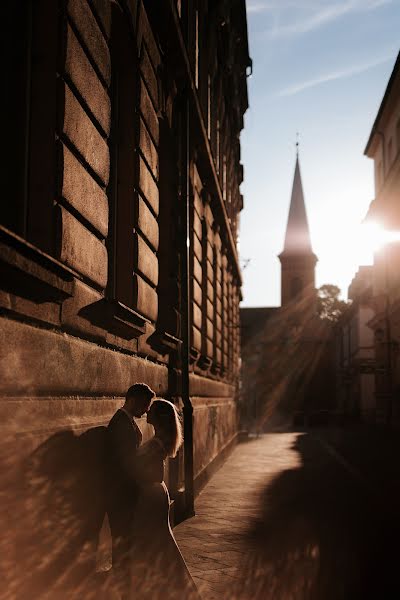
(166, 419)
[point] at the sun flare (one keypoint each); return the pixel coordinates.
(373, 237)
(340, 255)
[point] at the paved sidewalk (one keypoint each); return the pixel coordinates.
(287, 517)
(214, 542)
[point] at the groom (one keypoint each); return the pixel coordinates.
(123, 439)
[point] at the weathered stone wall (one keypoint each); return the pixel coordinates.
(215, 424)
(92, 247)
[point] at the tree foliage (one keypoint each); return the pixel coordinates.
(329, 306)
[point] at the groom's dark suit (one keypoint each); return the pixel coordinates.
(123, 439)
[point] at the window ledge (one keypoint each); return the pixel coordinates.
(216, 368)
(30, 273)
(193, 355)
(117, 318)
(164, 342)
(204, 362)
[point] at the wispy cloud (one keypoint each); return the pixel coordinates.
(312, 21)
(256, 7)
(340, 74)
(309, 14)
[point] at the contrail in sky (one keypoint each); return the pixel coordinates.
(318, 14)
(355, 70)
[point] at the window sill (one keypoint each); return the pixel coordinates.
(30, 273)
(116, 318)
(164, 343)
(216, 369)
(204, 362)
(193, 355)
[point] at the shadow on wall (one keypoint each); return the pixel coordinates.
(63, 508)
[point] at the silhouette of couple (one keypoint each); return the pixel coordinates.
(147, 563)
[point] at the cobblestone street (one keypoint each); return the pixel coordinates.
(298, 516)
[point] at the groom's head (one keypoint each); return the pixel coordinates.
(138, 399)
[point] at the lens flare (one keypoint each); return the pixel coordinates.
(373, 237)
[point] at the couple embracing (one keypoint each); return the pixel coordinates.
(147, 563)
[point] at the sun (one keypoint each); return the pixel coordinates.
(372, 237)
(345, 246)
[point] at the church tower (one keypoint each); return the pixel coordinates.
(297, 258)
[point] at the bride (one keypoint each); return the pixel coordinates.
(158, 569)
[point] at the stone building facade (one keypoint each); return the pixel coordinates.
(356, 364)
(383, 148)
(119, 223)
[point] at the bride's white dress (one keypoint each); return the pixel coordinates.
(158, 569)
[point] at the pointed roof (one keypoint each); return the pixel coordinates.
(297, 238)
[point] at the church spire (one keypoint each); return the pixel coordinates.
(297, 259)
(297, 238)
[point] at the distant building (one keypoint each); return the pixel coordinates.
(384, 148)
(118, 229)
(297, 258)
(287, 360)
(355, 352)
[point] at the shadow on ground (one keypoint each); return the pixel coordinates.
(62, 500)
(322, 534)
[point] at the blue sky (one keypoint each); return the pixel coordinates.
(320, 68)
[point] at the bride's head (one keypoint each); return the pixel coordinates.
(164, 417)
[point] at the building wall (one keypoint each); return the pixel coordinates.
(367, 392)
(288, 374)
(131, 131)
(388, 147)
(383, 148)
(356, 352)
(366, 335)
(298, 278)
